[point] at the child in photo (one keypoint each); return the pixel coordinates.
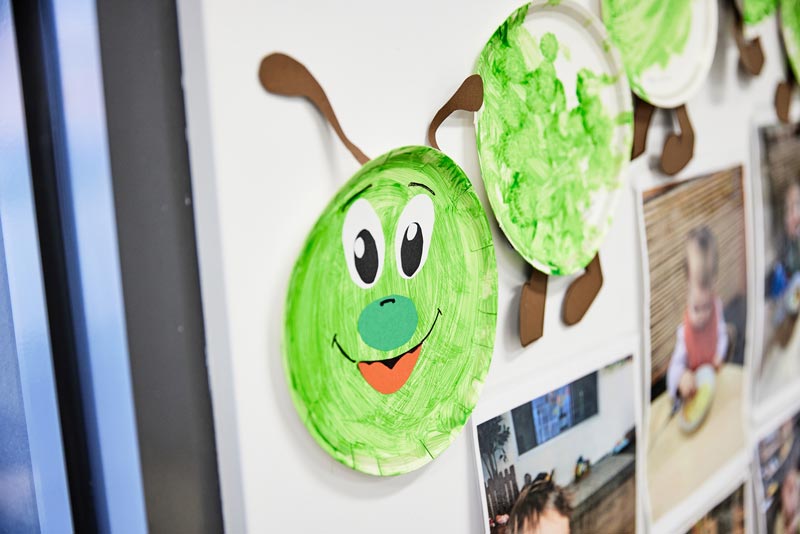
(702, 338)
(785, 275)
(790, 249)
(541, 508)
(788, 519)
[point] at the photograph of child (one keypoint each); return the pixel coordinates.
(702, 337)
(563, 461)
(726, 518)
(694, 234)
(779, 461)
(779, 154)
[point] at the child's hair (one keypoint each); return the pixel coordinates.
(534, 499)
(707, 243)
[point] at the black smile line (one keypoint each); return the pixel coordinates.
(390, 362)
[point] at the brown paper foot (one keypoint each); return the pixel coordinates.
(678, 148)
(751, 55)
(531, 308)
(783, 99)
(642, 115)
(582, 292)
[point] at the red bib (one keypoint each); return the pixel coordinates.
(701, 344)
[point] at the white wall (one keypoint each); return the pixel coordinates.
(593, 438)
(263, 168)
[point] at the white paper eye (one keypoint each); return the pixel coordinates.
(363, 243)
(414, 231)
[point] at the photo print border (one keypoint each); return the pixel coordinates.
(764, 408)
(520, 391)
(704, 497)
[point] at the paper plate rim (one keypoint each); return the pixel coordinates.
(298, 401)
(693, 86)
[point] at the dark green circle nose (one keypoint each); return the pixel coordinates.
(388, 322)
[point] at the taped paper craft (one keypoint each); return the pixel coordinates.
(391, 307)
(667, 48)
(554, 138)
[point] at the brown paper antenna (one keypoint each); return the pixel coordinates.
(468, 97)
(284, 75)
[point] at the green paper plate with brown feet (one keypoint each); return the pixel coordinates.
(391, 308)
(554, 133)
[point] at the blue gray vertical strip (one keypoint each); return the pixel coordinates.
(93, 257)
(25, 356)
(17, 494)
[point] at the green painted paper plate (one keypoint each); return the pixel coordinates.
(790, 28)
(667, 45)
(390, 313)
(554, 133)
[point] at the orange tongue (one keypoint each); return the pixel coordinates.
(385, 380)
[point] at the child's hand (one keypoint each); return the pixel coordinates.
(687, 386)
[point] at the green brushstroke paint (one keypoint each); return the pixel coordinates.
(790, 27)
(544, 163)
(754, 11)
(387, 434)
(648, 33)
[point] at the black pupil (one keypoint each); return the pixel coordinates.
(367, 263)
(411, 249)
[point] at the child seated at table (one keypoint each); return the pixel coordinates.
(702, 337)
(786, 269)
(790, 248)
(541, 508)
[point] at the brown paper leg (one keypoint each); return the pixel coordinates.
(582, 292)
(751, 55)
(531, 308)
(783, 100)
(678, 148)
(642, 115)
